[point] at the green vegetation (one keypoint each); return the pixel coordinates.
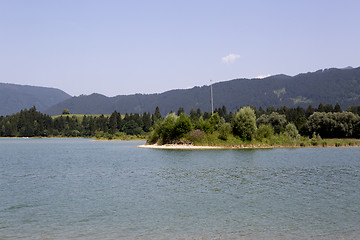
(31, 123)
(244, 123)
(271, 128)
(318, 127)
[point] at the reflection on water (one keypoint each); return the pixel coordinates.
(80, 189)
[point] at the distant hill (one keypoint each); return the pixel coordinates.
(324, 86)
(14, 98)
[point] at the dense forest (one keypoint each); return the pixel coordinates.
(324, 86)
(325, 121)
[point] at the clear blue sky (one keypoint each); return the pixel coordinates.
(126, 47)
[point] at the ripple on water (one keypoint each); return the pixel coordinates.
(77, 189)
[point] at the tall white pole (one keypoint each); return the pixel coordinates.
(212, 98)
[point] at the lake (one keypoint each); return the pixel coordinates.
(82, 189)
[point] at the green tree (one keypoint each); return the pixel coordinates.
(112, 124)
(206, 115)
(260, 112)
(193, 115)
(291, 131)
(244, 123)
(264, 132)
(276, 120)
(146, 122)
(9, 129)
(321, 108)
(332, 125)
(132, 128)
(167, 128)
(156, 115)
(214, 122)
(101, 123)
(270, 109)
(337, 108)
(180, 111)
(309, 111)
(204, 125)
(182, 126)
(328, 108)
(198, 113)
(224, 131)
(119, 122)
(354, 109)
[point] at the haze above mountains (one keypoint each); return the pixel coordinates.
(323, 86)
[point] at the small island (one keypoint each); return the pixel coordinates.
(340, 129)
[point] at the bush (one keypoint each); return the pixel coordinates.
(171, 129)
(315, 139)
(154, 135)
(182, 126)
(99, 134)
(195, 135)
(264, 132)
(204, 125)
(167, 127)
(333, 125)
(214, 121)
(224, 131)
(276, 120)
(244, 123)
(291, 131)
(313, 142)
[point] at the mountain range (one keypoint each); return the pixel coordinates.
(323, 86)
(14, 97)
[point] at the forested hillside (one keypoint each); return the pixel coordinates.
(324, 86)
(14, 98)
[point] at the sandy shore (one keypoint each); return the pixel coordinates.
(174, 146)
(190, 147)
(255, 146)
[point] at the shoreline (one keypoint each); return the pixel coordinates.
(90, 138)
(193, 147)
(179, 147)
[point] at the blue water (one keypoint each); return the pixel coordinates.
(82, 189)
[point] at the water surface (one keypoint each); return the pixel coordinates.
(82, 189)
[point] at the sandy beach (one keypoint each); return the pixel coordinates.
(175, 146)
(192, 147)
(251, 146)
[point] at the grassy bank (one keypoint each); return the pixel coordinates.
(279, 140)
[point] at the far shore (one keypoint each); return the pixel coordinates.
(90, 138)
(117, 139)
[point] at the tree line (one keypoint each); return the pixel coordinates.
(32, 123)
(326, 121)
